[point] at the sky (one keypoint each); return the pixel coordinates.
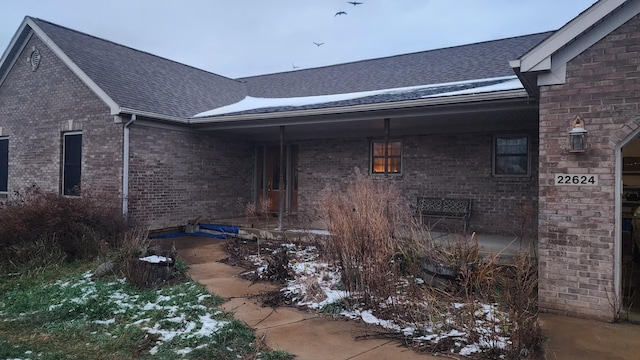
(237, 38)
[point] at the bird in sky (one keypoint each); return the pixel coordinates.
(354, 3)
(294, 66)
(318, 44)
(340, 13)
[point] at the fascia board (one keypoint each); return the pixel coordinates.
(558, 71)
(567, 33)
(113, 106)
(150, 115)
(399, 105)
(12, 44)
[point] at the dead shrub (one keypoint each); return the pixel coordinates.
(383, 254)
(365, 221)
(38, 223)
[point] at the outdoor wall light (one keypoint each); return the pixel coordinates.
(577, 136)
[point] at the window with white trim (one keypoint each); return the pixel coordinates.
(4, 164)
(511, 156)
(386, 157)
(71, 163)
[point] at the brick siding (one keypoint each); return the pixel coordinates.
(576, 225)
(448, 165)
(176, 176)
(36, 107)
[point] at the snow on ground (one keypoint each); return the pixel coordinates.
(316, 286)
(165, 314)
(155, 259)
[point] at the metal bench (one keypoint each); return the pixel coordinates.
(443, 208)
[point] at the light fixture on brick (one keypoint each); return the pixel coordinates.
(577, 136)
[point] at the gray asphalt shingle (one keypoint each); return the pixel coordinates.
(145, 82)
(474, 61)
(142, 81)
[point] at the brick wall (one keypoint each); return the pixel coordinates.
(37, 106)
(176, 176)
(450, 165)
(576, 225)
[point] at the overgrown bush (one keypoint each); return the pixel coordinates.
(40, 227)
(391, 263)
(366, 222)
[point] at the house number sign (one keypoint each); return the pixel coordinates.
(576, 179)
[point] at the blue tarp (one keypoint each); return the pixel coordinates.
(199, 233)
(222, 228)
(226, 229)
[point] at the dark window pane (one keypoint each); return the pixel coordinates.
(72, 164)
(4, 164)
(512, 155)
(511, 146)
(516, 165)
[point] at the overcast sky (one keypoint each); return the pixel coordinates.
(238, 38)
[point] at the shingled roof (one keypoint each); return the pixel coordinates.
(141, 81)
(483, 60)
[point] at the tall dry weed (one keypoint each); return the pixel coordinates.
(366, 221)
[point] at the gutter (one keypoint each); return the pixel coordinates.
(447, 100)
(148, 114)
(125, 166)
(293, 116)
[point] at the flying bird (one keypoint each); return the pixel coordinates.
(294, 66)
(340, 13)
(318, 44)
(354, 3)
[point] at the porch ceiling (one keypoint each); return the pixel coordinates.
(514, 114)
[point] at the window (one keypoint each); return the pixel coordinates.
(386, 157)
(511, 155)
(71, 163)
(4, 164)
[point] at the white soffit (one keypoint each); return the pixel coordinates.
(605, 27)
(539, 59)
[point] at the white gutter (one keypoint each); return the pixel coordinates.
(125, 166)
(429, 101)
(148, 114)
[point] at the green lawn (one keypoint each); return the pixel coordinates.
(62, 313)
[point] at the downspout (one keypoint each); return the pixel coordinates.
(125, 166)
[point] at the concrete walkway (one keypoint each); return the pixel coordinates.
(310, 336)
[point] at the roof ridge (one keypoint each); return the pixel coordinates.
(129, 47)
(396, 56)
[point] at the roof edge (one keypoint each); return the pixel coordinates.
(113, 106)
(10, 54)
(398, 105)
(537, 59)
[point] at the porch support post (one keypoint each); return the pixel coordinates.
(386, 146)
(282, 189)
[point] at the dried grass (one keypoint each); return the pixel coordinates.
(381, 252)
(36, 223)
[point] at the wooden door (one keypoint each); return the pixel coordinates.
(269, 181)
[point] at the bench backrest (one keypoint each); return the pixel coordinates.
(444, 206)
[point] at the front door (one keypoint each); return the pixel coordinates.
(271, 187)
